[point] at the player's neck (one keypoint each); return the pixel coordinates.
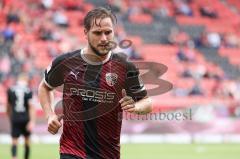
(91, 56)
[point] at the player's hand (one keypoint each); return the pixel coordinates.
(54, 123)
(30, 126)
(127, 103)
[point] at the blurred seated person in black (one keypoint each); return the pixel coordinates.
(12, 16)
(196, 90)
(207, 11)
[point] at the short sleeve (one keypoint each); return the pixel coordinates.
(134, 85)
(54, 74)
(30, 95)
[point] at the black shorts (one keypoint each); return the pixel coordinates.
(68, 156)
(19, 128)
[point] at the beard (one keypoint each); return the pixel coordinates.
(98, 52)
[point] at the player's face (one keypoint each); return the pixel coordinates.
(100, 35)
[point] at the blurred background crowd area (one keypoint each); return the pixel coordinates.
(198, 40)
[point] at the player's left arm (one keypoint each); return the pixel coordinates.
(8, 110)
(32, 114)
(143, 106)
(134, 96)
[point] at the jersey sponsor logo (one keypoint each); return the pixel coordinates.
(94, 95)
(111, 79)
(102, 102)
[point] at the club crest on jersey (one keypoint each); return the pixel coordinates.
(111, 78)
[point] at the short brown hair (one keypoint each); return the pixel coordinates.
(99, 12)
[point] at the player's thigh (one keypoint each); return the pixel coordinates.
(15, 130)
(26, 133)
(68, 156)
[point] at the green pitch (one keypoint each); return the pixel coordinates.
(143, 151)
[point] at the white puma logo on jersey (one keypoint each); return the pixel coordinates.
(74, 74)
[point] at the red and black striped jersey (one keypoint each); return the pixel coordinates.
(91, 94)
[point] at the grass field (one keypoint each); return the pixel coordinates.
(144, 151)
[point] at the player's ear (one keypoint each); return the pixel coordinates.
(85, 33)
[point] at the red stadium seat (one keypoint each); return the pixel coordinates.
(141, 19)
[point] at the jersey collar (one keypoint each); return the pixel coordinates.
(95, 63)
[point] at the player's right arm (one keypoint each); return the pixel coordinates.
(53, 77)
(45, 95)
(46, 98)
(9, 107)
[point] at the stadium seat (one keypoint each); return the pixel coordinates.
(141, 19)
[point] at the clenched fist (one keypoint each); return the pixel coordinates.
(54, 123)
(127, 103)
